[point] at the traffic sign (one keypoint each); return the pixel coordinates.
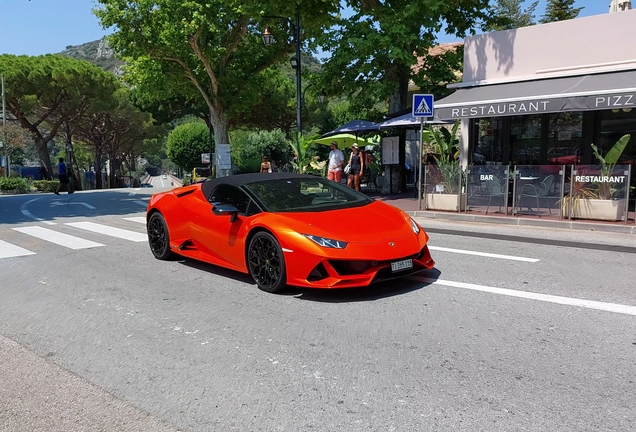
(423, 105)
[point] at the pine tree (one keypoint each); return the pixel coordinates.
(508, 15)
(559, 10)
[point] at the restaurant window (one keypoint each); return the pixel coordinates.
(565, 138)
(525, 140)
(489, 149)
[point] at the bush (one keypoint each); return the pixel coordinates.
(13, 183)
(44, 185)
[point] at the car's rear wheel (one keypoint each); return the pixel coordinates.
(158, 237)
(266, 262)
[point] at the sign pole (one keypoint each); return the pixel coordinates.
(4, 124)
(420, 146)
(423, 107)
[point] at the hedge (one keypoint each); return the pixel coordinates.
(13, 183)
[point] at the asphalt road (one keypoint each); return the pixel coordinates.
(517, 329)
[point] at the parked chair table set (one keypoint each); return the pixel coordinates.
(536, 190)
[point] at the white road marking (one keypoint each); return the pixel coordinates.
(138, 219)
(484, 254)
(58, 238)
(23, 209)
(88, 206)
(110, 231)
(132, 193)
(142, 203)
(7, 250)
(590, 304)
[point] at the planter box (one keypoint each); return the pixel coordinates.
(446, 202)
(598, 209)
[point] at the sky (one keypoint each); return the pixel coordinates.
(48, 26)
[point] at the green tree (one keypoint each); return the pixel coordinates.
(186, 142)
(15, 140)
(374, 51)
(214, 46)
(507, 14)
(250, 148)
(42, 92)
(559, 10)
(118, 132)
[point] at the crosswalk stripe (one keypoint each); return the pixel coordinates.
(110, 231)
(7, 250)
(61, 239)
(138, 219)
(141, 203)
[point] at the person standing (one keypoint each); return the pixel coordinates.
(356, 163)
(336, 162)
(266, 166)
(63, 177)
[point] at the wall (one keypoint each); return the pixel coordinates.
(583, 45)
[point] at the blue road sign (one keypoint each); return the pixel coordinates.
(423, 105)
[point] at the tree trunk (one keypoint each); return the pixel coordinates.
(220, 125)
(98, 170)
(43, 154)
(398, 100)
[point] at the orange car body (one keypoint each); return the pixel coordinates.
(377, 234)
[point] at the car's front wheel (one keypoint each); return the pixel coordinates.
(266, 262)
(158, 237)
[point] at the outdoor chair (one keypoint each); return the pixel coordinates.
(541, 191)
(494, 189)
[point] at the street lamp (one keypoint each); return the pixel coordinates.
(4, 124)
(268, 39)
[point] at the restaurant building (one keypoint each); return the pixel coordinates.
(543, 94)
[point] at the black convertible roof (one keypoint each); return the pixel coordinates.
(240, 179)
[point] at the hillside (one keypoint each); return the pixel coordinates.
(97, 52)
(100, 53)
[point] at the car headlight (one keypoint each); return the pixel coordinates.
(326, 242)
(415, 227)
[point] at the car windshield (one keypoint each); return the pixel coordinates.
(300, 194)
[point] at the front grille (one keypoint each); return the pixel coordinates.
(351, 267)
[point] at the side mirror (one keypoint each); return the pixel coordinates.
(225, 210)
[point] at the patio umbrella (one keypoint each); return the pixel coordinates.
(344, 140)
(409, 122)
(354, 126)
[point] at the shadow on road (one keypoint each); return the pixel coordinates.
(215, 270)
(375, 291)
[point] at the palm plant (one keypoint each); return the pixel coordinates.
(302, 160)
(608, 163)
(596, 190)
(446, 154)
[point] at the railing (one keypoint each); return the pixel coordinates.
(557, 191)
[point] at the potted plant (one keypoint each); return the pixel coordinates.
(444, 173)
(594, 195)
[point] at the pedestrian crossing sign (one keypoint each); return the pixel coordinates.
(423, 105)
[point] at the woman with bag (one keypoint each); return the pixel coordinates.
(356, 168)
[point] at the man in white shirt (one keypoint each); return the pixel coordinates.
(336, 162)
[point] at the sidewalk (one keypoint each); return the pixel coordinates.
(409, 203)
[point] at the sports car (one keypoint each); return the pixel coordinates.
(287, 229)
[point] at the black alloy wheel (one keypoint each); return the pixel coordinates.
(158, 237)
(266, 262)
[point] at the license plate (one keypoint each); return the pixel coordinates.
(401, 265)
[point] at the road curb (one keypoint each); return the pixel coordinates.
(516, 221)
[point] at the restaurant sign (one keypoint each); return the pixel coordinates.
(547, 105)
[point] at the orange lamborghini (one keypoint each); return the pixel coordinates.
(287, 229)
